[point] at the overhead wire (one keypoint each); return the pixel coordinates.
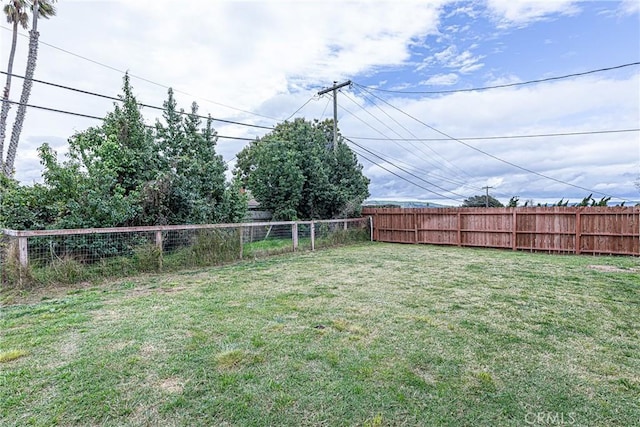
(88, 116)
(326, 106)
(409, 173)
(415, 139)
(401, 177)
(542, 80)
(427, 158)
(491, 155)
(154, 107)
(448, 163)
(298, 110)
(482, 138)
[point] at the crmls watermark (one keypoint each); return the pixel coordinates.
(550, 418)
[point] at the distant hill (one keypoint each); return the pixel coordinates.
(403, 204)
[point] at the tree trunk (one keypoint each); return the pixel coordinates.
(4, 114)
(26, 92)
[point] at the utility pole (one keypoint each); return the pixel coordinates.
(486, 200)
(335, 88)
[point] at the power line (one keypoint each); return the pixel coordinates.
(113, 98)
(426, 158)
(491, 155)
(88, 116)
(55, 110)
(472, 138)
(407, 172)
(325, 107)
(452, 167)
(301, 107)
(547, 79)
(401, 177)
(416, 170)
(141, 78)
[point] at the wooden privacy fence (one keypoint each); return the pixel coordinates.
(579, 230)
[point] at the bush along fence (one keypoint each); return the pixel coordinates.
(579, 230)
(50, 256)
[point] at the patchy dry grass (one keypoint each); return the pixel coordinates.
(374, 334)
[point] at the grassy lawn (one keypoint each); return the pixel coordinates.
(372, 334)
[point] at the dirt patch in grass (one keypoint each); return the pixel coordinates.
(63, 352)
(171, 385)
(613, 269)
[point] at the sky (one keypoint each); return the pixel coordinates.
(263, 62)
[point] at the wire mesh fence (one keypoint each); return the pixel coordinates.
(67, 256)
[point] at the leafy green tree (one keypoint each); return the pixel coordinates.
(481, 202)
(23, 207)
(82, 198)
(99, 183)
(294, 173)
(44, 9)
(122, 173)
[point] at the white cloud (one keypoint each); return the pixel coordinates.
(441, 80)
(630, 7)
(465, 62)
(522, 12)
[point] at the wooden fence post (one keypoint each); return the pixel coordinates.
(376, 223)
(241, 232)
(294, 235)
(158, 242)
(578, 233)
(415, 227)
(514, 232)
(23, 252)
(371, 227)
(459, 230)
(313, 236)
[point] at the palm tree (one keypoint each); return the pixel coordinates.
(45, 9)
(16, 15)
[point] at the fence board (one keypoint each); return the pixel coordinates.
(591, 230)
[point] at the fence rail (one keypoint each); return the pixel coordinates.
(579, 230)
(24, 253)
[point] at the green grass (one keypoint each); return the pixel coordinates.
(368, 335)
